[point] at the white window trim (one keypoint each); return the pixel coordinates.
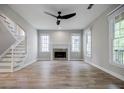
(89, 30)
(85, 43)
(111, 20)
(76, 34)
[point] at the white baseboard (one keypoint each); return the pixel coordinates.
(75, 60)
(41, 59)
(121, 77)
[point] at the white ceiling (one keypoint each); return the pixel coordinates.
(34, 14)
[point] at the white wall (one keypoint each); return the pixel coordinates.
(60, 39)
(85, 57)
(100, 44)
(6, 38)
(30, 32)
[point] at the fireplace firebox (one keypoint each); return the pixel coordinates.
(60, 54)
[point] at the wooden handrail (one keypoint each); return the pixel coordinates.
(6, 22)
(3, 16)
(10, 27)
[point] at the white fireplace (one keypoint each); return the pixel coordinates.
(60, 52)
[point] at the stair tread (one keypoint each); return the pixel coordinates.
(5, 61)
(18, 49)
(14, 56)
(9, 61)
(16, 53)
(5, 64)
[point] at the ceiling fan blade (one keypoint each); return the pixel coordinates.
(90, 6)
(68, 16)
(50, 14)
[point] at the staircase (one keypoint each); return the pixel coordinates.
(13, 58)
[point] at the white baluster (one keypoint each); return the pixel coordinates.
(12, 62)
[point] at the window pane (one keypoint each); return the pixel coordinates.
(121, 32)
(88, 46)
(44, 43)
(116, 26)
(118, 40)
(75, 43)
(122, 24)
(116, 34)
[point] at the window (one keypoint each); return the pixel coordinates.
(44, 43)
(76, 43)
(118, 39)
(88, 43)
(116, 25)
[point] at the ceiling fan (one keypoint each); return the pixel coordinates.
(59, 17)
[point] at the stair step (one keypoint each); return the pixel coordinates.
(16, 56)
(13, 31)
(5, 67)
(7, 57)
(17, 52)
(3, 16)
(5, 61)
(10, 59)
(21, 45)
(5, 70)
(5, 64)
(10, 27)
(6, 22)
(19, 49)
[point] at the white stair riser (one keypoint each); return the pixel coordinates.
(22, 43)
(5, 70)
(5, 64)
(16, 56)
(17, 52)
(5, 61)
(10, 59)
(19, 49)
(21, 46)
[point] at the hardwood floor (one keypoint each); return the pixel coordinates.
(59, 74)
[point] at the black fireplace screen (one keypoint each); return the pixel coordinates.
(60, 54)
